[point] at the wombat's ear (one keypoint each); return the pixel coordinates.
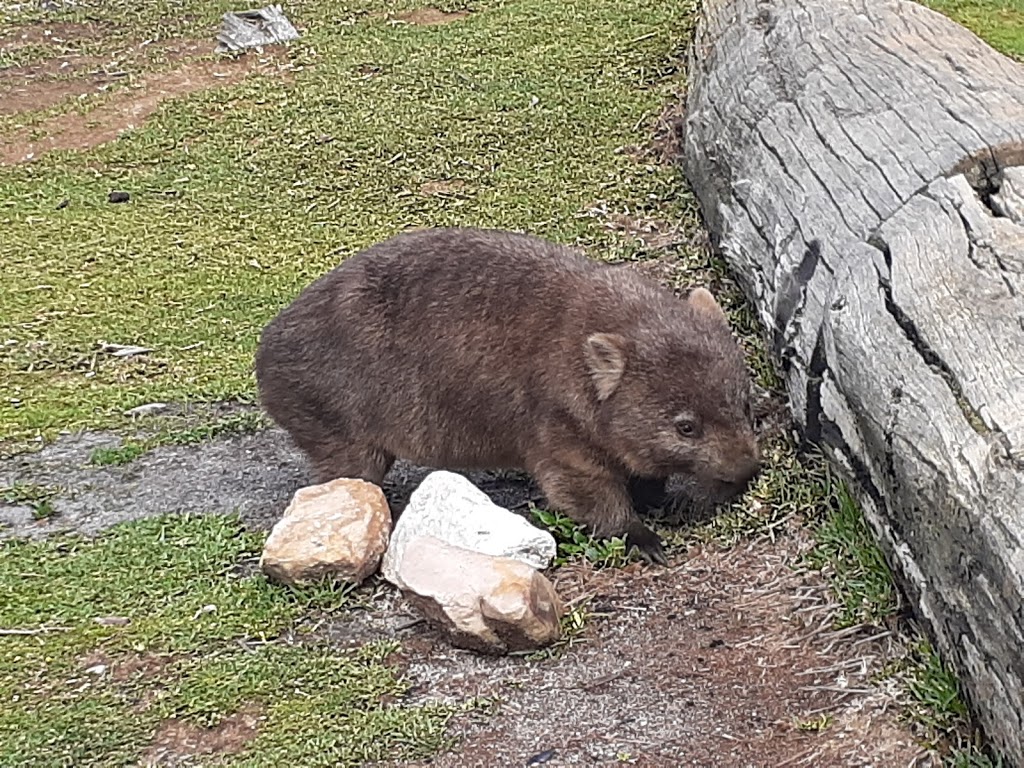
(702, 300)
(606, 359)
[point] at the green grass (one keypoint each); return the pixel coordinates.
(1000, 23)
(574, 543)
(321, 707)
(522, 106)
(934, 704)
(279, 179)
(847, 552)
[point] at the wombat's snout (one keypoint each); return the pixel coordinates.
(747, 466)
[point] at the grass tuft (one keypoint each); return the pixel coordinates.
(37, 497)
(849, 556)
(133, 448)
(574, 543)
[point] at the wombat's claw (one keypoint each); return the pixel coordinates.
(647, 544)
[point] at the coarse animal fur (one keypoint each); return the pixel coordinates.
(463, 348)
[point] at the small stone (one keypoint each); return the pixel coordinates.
(148, 409)
(338, 529)
(98, 670)
(488, 604)
(449, 507)
(119, 197)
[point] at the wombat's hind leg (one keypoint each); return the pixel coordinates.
(332, 461)
(602, 504)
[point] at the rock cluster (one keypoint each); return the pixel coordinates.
(470, 567)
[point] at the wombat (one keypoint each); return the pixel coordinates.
(463, 348)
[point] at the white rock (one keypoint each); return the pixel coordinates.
(484, 603)
(339, 528)
(449, 507)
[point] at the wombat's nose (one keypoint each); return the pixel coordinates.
(749, 466)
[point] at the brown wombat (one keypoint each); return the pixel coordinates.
(483, 349)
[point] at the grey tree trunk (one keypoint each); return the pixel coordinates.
(861, 167)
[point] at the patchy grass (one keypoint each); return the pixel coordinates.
(848, 554)
(188, 630)
(933, 702)
(37, 497)
(516, 111)
(789, 486)
(1000, 23)
(132, 448)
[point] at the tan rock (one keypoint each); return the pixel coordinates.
(337, 529)
(484, 603)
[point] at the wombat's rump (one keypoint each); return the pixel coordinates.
(470, 348)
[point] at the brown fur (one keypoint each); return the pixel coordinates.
(469, 348)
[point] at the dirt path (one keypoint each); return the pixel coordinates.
(720, 660)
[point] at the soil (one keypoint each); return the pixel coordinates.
(442, 188)
(255, 474)
(719, 660)
(177, 742)
(61, 35)
(46, 84)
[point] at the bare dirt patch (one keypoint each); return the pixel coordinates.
(442, 188)
(430, 16)
(177, 742)
(58, 34)
(719, 660)
(123, 111)
(254, 474)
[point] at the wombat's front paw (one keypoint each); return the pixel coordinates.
(646, 542)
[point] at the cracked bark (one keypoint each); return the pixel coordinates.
(860, 165)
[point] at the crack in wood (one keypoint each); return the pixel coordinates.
(792, 294)
(973, 246)
(929, 355)
(813, 413)
(831, 437)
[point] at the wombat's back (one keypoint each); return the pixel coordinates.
(440, 345)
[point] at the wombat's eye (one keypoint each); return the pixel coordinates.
(687, 427)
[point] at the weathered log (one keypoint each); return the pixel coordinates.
(860, 164)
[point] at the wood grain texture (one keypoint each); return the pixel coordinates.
(861, 167)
